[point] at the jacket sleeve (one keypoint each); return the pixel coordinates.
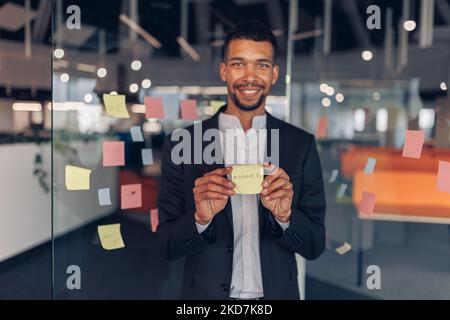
(177, 234)
(306, 232)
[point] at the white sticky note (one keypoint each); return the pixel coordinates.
(136, 134)
(346, 247)
(370, 165)
(147, 157)
(104, 197)
(341, 192)
(333, 176)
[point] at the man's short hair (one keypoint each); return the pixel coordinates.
(250, 30)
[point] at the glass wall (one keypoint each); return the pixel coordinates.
(25, 158)
(381, 122)
(173, 64)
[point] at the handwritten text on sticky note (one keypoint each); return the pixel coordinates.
(110, 236)
(131, 196)
(115, 106)
(248, 178)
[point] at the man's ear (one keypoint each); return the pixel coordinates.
(276, 74)
(223, 72)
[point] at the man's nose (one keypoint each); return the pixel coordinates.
(250, 73)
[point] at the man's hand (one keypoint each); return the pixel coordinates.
(277, 193)
(211, 193)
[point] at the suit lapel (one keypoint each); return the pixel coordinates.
(213, 123)
(270, 124)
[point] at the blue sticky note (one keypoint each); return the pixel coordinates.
(104, 198)
(147, 157)
(370, 165)
(334, 175)
(341, 192)
(136, 134)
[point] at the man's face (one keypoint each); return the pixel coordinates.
(249, 72)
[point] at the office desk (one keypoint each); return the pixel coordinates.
(403, 196)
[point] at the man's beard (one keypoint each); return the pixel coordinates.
(245, 107)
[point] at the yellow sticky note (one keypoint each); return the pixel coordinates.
(116, 106)
(110, 236)
(77, 178)
(248, 178)
(216, 105)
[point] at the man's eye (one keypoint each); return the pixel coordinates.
(263, 65)
(237, 64)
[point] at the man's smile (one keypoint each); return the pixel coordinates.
(249, 92)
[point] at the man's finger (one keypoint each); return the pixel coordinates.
(275, 175)
(278, 194)
(220, 171)
(280, 183)
(215, 179)
(211, 186)
(211, 195)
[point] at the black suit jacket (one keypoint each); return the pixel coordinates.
(209, 256)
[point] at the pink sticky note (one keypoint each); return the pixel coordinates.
(154, 220)
(188, 109)
(322, 127)
(414, 140)
(113, 153)
(443, 180)
(131, 196)
(367, 203)
(154, 107)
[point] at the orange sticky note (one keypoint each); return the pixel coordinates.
(188, 109)
(322, 128)
(154, 107)
(154, 220)
(414, 140)
(443, 179)
(113, 153)
(131, 196)
(367, 203)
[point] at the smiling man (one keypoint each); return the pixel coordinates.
(242, 246)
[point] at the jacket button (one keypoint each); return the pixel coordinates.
(224, 287)
(229, 249)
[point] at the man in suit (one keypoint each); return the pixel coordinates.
(240, 246)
